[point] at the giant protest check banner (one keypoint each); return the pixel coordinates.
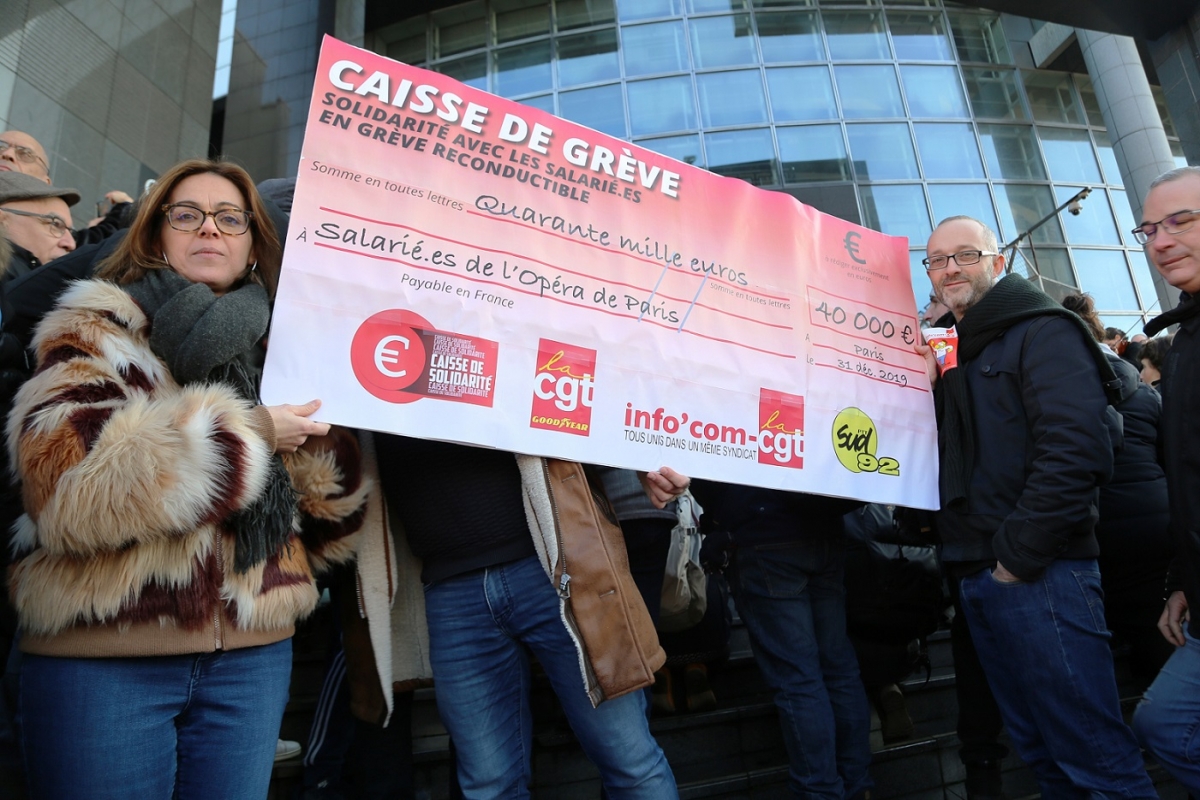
(465, 268)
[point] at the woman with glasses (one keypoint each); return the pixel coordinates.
(172, 522)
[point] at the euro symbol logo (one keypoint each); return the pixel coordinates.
(385, 354)
(851, 245)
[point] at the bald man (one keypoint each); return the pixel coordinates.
(20, 152)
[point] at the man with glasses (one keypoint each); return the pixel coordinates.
(37, 218)
(1024, 440)
(20, 152)
(1169, 714)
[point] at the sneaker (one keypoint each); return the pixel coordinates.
(700, 695)
(285, 750)
(662, 693)
(895, 723)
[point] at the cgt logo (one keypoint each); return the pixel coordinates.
(563, 388)
(780, 429)
(388, 355)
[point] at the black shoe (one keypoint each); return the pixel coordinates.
(984, 780)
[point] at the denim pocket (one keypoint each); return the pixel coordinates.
(1093, 595)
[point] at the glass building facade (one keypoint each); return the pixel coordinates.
(893, 115)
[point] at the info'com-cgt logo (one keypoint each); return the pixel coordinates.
(780, 429)
(563, 388)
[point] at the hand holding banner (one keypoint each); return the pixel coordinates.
(465, 268)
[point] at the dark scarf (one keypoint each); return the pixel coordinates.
(203, 338)
(1010, 301)
(1187, 308)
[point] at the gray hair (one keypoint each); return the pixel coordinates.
(1174, 175)
(989, 236)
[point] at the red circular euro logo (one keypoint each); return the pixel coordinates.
(387, 354)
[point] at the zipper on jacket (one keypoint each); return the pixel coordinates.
(564, 580)
(217, 602)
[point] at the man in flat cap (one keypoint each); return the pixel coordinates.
(36, 218)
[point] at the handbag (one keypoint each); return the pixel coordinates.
(685, 584)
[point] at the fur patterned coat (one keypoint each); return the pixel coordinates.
(127, 480)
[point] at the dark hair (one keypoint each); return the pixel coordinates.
(1155, 350)
(140, 251)
(1114, 333)
(1085, 308)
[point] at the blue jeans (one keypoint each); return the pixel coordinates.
(193, 726)
(1044, 647)
(792, 598)
(1167, 721)
(479, 626)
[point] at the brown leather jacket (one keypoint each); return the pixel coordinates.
(581, 547)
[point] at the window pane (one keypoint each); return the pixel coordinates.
(994, 94)
(868, 92)
(588, 58)
(801, 93)
(582, 13)
(523, 69)
(406, 41)
(471, 70)
(702, 6)
(1094, 224)
(790, 36)
(836, 199)
(949, 151)
(681, 148)
(813, 153)
(1070, 156)
(517, 19)
(723, 41)
(1051, 98)
(1105, 275)
(856, 36)
(882, 152)
(1160, 100)
(1010, 152)
(783, 3)
(897, 211)
(460, 28)
(1108, 158)
(731, 98)
(545, 102)
(748, 155)
(920, 36)
(979, 37)
(601, 108)
(654, 48)
(972, 199)
(1091, 105)
(922, 288)
(1050, 267)
(1021, 207)
(648, 9)
(662, 105)
(1127, 322)
(1125, 223)
(1144, 281)
(1177, 154)
(933, 92)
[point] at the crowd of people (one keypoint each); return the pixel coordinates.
(165, 531)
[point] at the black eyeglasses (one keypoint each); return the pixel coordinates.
(1178, 222)
(24, 154)
(52, 221)
(964, 258)
(189, 219)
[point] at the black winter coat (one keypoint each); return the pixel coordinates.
(1135, 545)
(1042, 448)
(1180, 388)
(753, 516)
